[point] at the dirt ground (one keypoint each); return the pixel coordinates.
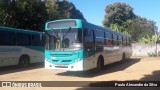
(136, 68)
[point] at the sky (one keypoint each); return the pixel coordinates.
(94, 10)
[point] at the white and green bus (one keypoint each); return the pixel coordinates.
(20, 47)
(77, 45)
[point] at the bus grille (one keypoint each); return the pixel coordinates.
(55, 60)
(66, 60)
(60, 55)
(62, 60)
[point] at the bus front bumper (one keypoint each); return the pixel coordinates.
(78, 66)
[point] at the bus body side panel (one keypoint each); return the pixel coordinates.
(90, 59)
(109, 55)
(36, 53)
(10, 55)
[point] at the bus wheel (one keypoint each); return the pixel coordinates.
(100, 64)
(24, 61)
(123, 57)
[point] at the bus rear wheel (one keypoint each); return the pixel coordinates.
(123, 57)
(24, 61)
(100, 64)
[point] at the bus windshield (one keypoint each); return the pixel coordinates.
(64, 39)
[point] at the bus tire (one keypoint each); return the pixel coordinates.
(123, 57)
(24, 61)
(100, 64)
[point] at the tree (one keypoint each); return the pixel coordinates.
(52, 9)
(23, 14)
(62, 10)
(149, 39)
(139, 27)
(32, 14)
(120, 16)
(118, 13)
(7, 13)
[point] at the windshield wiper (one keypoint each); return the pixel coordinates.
(55, 34)
(67, 32)
(50, 33)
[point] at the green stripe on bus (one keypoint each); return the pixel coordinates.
(37, 48)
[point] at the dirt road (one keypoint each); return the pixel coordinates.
(141, 69)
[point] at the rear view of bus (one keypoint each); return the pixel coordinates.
(64, 45)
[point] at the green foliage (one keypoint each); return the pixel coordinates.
(51, 8)
(149, 39)
(120, 17)
(117, 13)
(23, 14)
(117, 28)
(140, 27)
(32, 14)
(68, 10)
(114, 27)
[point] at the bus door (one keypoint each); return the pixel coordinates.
(89, 46)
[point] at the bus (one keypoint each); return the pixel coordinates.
(21, 47)
(76, 45)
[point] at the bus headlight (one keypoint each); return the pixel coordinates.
(46, 59)
(78, 59)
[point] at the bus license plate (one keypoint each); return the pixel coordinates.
(61, 65)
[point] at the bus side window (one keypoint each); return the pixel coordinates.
(47, 42)
(120, 40)
(99, 37)
(23, 39)
(36, 40)
(7, 38)
(52, 43)
(43, 39)
(79, 36)
(108, 38)
(88, 38)
(87, 32)
(114, 39)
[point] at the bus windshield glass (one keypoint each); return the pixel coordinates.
(64, 39)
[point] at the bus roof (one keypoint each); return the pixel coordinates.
(80, 23)
(102, 28)
(18, 30)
